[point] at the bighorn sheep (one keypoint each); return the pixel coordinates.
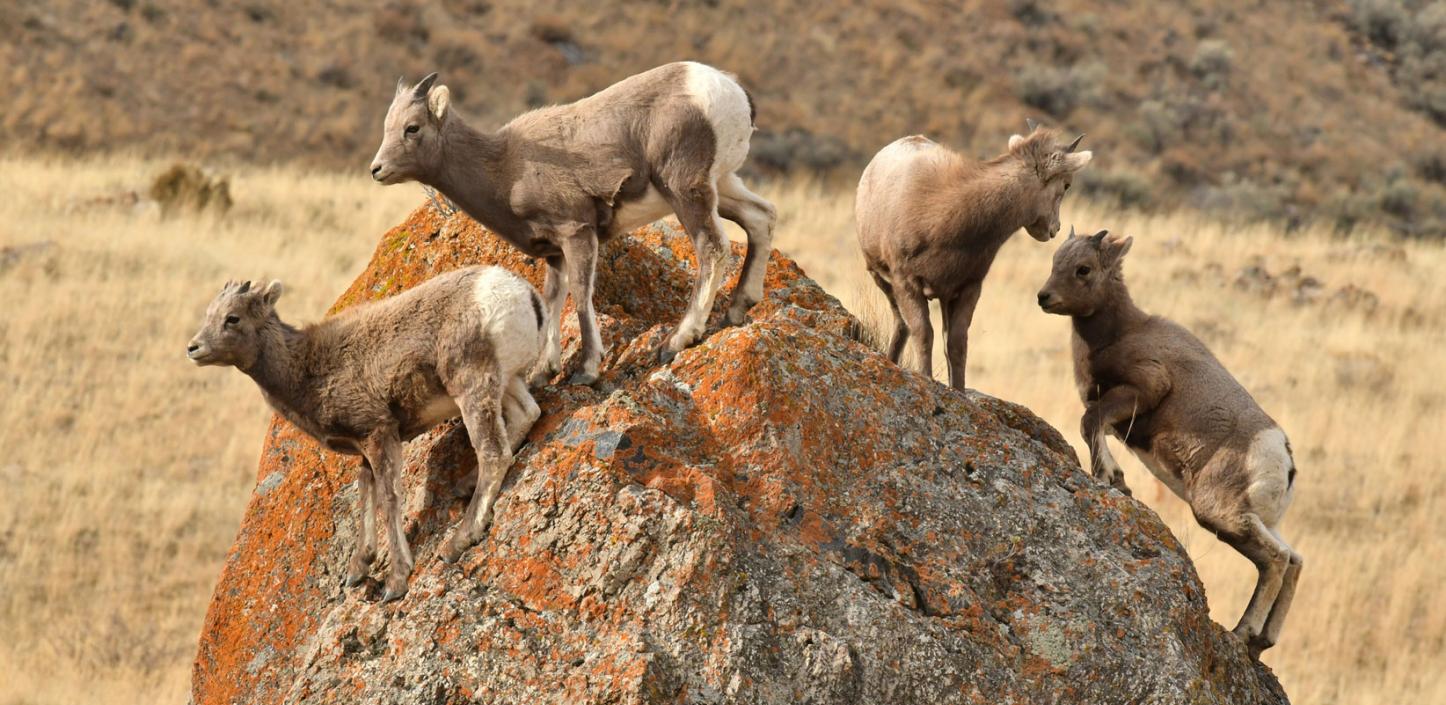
(378, 374)
(556, 181)
(931, 221)
(1155, 386)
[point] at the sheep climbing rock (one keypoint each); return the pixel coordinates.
(777, 515)
(363, 381)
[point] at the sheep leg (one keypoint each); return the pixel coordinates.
(383, 450)
(900, 337)
(1271, 634)
(366, 527)
(958, 315)
(915, 310)
(554, 293)
(579, 252)
(757, 217)
(1118, 404)
(520, 411)
(697, 211)
(1272, 558)
(481, 404)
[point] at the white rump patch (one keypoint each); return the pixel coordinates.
(725, 104)
(509, 320)
(1269, 463)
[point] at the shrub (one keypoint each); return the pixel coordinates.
(1058, 91)
(799, 149)
(1212, 63)
(1121, 187)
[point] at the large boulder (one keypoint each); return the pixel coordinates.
(779, 515)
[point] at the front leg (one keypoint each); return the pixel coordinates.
(579, 250)
(1118, 404)
(366, 528)
(383, 449)
(554, 293)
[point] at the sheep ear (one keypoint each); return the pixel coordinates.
(1115, 247)
(423, 86)
(401, 85)
(245, 287)
(272, 292)
(1071, 233)
(1077, 160)
(437, 101)
(1014, 142)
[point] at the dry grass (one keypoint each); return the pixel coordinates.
(126, 469)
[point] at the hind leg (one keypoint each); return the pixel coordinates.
(1272, 558)
(914, 309)
(900, 336)
(757, 217)
(479, 395)
(1270, 635)
(697, 208)
(519, 411)
(366, 527)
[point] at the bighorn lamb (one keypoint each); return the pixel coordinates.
(381, 373)
(556, 181)
(931, 221)
(1154, 385)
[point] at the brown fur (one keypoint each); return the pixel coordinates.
(554, 180)
(379, 374)
(930, 222)
(1154, 385)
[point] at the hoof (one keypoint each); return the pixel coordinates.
(453, 552)
(666, 356)
(582, 379)
(736, 317)
(353, 580)
(393, 595)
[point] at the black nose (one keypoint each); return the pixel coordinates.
(193, 347)
(1043, 298)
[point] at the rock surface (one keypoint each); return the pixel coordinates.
(777, 516)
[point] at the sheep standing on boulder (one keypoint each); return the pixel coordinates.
(381, 373)
(557, 181)
(931, 221)
(1155, 386)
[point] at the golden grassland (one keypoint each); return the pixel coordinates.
(125, 470)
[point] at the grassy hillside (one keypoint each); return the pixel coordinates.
(126, 469)
(1319, 111)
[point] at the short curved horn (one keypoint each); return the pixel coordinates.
(420, 92)
(1031, 124)
(1071, 232)
(1074, 144)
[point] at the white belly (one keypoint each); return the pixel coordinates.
(438, 410)
(632, 215)
(1163, 474)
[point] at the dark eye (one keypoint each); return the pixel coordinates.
(412, 129)
(232, 320)
(1082, 272)
(1066, 187)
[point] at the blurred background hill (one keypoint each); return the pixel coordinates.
(1314, 111)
